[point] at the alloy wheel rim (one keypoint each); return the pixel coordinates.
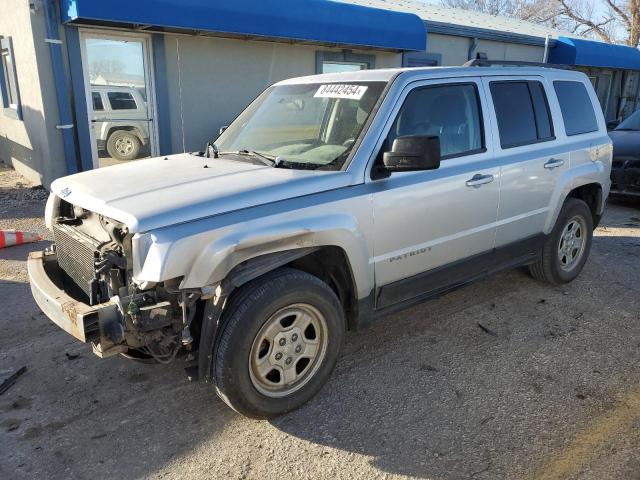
(572, 243)
(124, 146)
(288, 350)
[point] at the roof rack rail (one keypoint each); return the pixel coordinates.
(481, 62)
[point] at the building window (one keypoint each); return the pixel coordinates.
(8, 81)
(421, 59)
(345, 61)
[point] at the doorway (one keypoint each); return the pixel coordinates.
(120, 97)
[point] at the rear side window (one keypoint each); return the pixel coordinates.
(576, 107)
(97, 101)
(121, 101)
(522, 112)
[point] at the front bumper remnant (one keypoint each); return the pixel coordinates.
(87, 323)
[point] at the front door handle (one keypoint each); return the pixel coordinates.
(478, 180)
(553, 163)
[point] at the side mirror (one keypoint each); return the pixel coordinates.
(222, 129)
(413, 152)
(612, 124)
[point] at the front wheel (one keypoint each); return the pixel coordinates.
(280, 338)
(567, 248)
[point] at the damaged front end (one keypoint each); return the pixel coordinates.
(84, 284)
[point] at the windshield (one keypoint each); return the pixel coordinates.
(303, 126)
(631, 123)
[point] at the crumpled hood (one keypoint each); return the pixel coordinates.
(157, 192)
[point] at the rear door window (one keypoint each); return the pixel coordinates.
(121, 101)
(576, 107)
(522, 113)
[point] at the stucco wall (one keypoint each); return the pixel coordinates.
(510, 51)
(211, 80)
(455, 50)
(32, 145)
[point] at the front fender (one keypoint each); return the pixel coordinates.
(206, 258)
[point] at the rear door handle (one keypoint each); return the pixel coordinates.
(478, 180)
(553, 163)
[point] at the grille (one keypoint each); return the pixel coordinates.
(76, 256)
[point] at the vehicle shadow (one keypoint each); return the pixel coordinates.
(483, 382)
(74, 415)
(21, 252)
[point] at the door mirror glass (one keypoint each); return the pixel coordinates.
(413, 152)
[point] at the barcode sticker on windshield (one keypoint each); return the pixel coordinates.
(339, 90)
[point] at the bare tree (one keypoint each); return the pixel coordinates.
(617, 22)
(620, 21)
(538, 11)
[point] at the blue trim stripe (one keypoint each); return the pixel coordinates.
(79, 97)
(317, 21)
(61, 87)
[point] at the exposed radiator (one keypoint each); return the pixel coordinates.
(77, 255)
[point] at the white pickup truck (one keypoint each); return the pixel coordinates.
(330, 201)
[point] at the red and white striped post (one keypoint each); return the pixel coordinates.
(9, 238)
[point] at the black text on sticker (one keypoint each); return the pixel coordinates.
(340, 90)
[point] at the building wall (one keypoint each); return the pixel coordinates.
(510, 51)
(32, 145)
(455, 50)
(210, 80)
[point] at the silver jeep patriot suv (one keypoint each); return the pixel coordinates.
(330, 201)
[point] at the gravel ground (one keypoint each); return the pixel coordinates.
(548, 389)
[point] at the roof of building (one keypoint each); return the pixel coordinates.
(309, 21)
(456, 21)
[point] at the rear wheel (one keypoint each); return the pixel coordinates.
(123, 145)
(567, 248)
(280, 339)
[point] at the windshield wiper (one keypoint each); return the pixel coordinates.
(268, 160)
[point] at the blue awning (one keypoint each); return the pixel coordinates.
(313, 21)
(574, 51)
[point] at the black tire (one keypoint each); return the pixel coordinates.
(123, 145)
(548, 267)
(248, 311)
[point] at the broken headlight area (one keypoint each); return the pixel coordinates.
(93, 265)
(153, 324)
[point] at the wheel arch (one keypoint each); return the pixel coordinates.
(329, 263)
(127, 128)
(587, 190)
(591, 194)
